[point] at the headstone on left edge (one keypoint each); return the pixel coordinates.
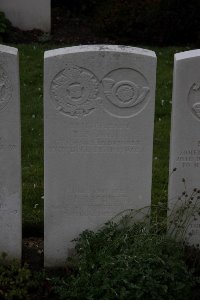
(10, 154)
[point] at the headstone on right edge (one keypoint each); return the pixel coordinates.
(184, 182)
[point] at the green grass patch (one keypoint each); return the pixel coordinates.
(31, 73)
(31, 78)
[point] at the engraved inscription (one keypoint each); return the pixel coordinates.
(96, 146)
(4, 205)
(127, 92)
(189, 158)
(107, 138)
(6, 146)
(74, 91)
(96, 202)
(5, 89)
(194, 230)
(194, 100)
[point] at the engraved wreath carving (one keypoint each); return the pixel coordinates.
(5, 89)
(126, 92)
(194, 100)
(76, 92)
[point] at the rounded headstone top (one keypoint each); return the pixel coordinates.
(8, 50)
(94, 48)
(187, 54)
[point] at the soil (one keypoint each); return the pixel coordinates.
(33, 252)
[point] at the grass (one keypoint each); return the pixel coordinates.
(32, 133)
(163, 119)
(31, 72)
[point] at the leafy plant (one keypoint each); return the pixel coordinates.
(126, 260)
(16, 282)
(176, 215)
(4, 23)
(182, 214)
(129, 258)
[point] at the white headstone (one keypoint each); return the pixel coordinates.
(28, 14)
(185, 136)
(10, 154)
(99, 115)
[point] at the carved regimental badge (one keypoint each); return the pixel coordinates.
(74, 91)
(5, 89)
(126, 91)
(194, 100)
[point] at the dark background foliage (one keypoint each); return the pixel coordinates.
(164, 22)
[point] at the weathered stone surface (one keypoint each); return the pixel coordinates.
(99, 114)
(10, 154)
(28, 14)
(185, 137)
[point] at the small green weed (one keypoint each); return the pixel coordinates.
(129, 258)
(183, 214)
(126, 261)
(16, 282)
(4, 23)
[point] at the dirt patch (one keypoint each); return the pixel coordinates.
(33, 252)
